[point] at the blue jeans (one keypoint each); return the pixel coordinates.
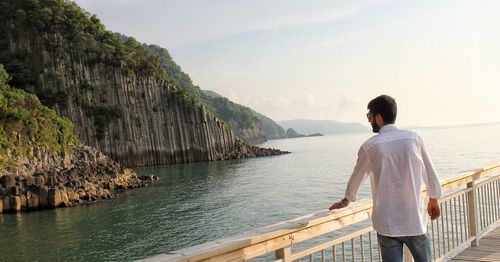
(392, 248)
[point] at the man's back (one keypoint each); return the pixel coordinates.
(396, 166)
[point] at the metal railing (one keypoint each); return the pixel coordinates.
(470, 208)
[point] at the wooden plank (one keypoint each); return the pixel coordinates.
(488, 249)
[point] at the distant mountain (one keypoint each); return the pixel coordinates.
(291, 133)
(304, 126)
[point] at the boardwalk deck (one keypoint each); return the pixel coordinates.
(488, 249)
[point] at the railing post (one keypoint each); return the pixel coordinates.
(407, 253)
(472, 211)
(285, 254)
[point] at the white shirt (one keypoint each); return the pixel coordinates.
(397, 163)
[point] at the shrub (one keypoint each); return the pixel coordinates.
(102, 116)
(25, 123)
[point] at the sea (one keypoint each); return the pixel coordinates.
(199, 202)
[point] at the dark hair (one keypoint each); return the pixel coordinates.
(385, 106)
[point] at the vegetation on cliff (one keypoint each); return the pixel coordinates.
(223, 107)
(25, 123)
(229, 111)
(88, 38)
(84, 31)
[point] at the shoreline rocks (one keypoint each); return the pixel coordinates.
(244, 150)
(47, 180)
(50, 180)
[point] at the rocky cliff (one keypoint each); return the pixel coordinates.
(123, 107)
(252, 135)
(271, 129)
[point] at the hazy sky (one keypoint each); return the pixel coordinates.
(326, 59)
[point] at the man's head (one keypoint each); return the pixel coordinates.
(383, 111)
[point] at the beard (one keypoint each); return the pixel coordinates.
(375, 127)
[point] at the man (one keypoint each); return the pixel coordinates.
(397, 162)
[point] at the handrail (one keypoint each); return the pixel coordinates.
(279, 237)
(270, 238)
(463, 178)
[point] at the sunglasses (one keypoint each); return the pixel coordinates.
(369, 116)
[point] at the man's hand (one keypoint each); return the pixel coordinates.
(342, 203)
(433, 208)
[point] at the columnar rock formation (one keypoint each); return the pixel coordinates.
(134, 117)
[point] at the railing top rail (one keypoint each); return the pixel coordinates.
(463, 178)
(270, 238)
(282, 232)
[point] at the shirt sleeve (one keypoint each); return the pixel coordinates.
(360, 172)
(430, 176)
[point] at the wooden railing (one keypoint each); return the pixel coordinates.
(470, 208)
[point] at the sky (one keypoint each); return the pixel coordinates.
(326, 59)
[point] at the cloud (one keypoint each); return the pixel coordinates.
(193, 22)
(289, 19)
(288, 14)
(348, 101)
(300, 19)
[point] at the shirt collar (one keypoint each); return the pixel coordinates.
(388, 127)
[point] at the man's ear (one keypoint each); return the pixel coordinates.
(379, 120)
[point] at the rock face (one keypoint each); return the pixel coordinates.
(135, 118)
(48, 180)
(271, 129)
(252, 135)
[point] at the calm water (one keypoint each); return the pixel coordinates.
(195, 203)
